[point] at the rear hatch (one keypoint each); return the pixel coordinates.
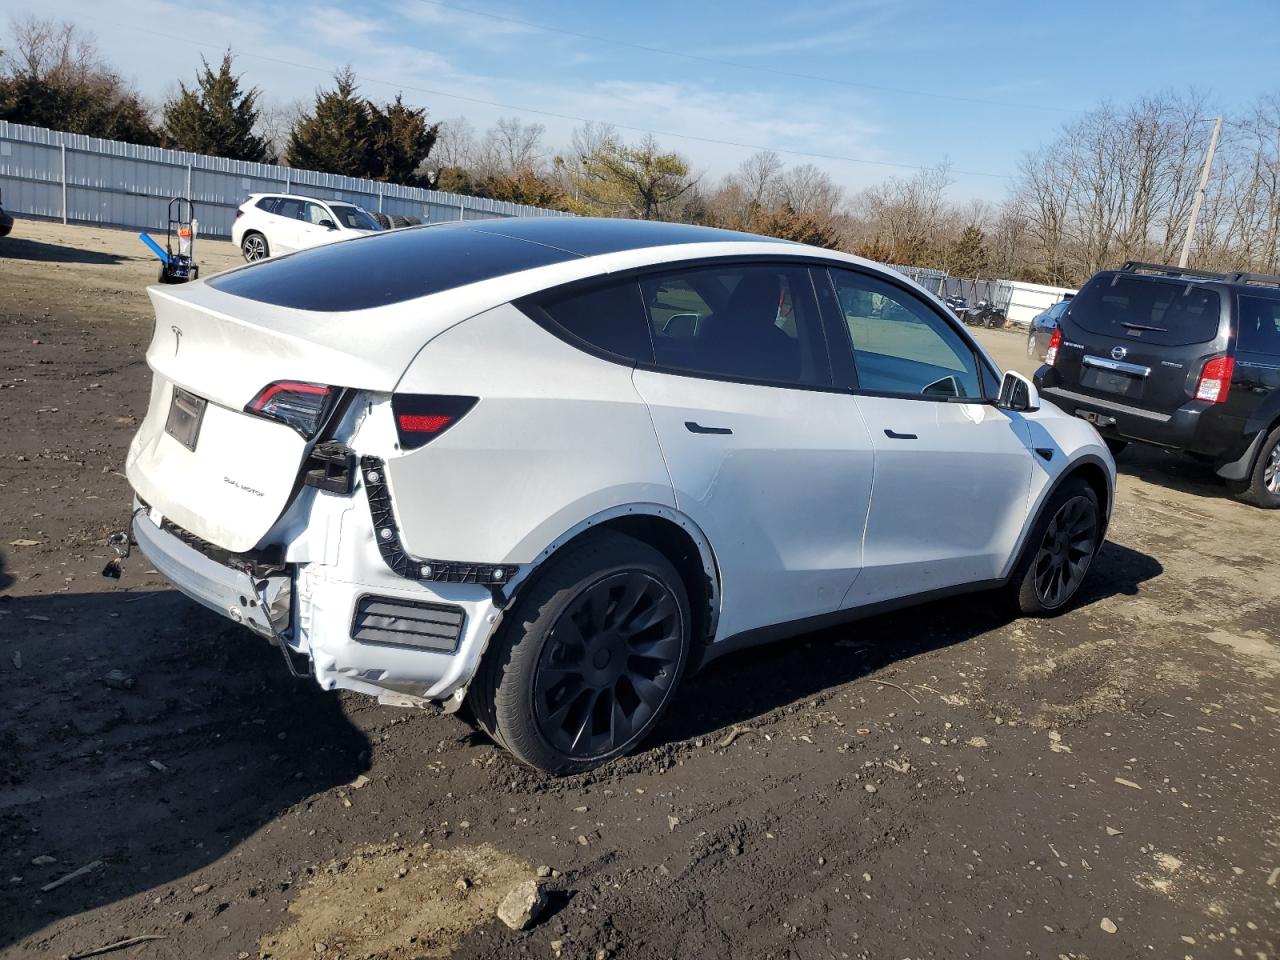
(198, 458)
(1141, 340)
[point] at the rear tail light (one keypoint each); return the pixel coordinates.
(420, 418)
(1215, 380)
(239, 213)
(302, 406)
(1055, 342)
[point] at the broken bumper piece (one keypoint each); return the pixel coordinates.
(261, 604)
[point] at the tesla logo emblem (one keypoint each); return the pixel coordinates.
(1117, 353)
(177, 338)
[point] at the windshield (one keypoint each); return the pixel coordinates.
(352, 217)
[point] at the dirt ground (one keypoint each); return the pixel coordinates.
(942, 782)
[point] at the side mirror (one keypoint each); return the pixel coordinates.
(328, 224)
(1018, 393)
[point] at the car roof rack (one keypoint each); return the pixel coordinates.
(1135, 266)
(1263, 279)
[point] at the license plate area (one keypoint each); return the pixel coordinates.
(186, 412)
(1110, 381)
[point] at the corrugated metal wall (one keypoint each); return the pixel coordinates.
(66, 176)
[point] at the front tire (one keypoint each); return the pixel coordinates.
(588, 660)
(1262, 488)
(1059, 551)
(254, 247)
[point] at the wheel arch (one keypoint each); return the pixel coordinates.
(668, 531)
(1093, 470)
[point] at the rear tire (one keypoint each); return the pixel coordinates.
(254, 247)
(1262, 487)
(584, 666)
(1116, 447)
(1059, 551)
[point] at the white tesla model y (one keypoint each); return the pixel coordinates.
(548, 466)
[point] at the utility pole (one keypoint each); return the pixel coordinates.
(1199, 200)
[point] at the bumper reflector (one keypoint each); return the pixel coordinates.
(389, 621)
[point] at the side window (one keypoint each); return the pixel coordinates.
(610, 318)
(748, 322)
(268, 204)
(289, 208)
(313, 213)
(1259, 325)
(901, 345)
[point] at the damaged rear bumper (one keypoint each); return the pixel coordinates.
(231, 591)
(364, 627)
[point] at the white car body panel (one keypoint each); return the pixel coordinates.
(787, 529)
(805, 510)
(971, 465)
(542, 398)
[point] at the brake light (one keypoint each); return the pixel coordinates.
(420, 418)
(302, 406)
(239, 213)
(1055, 342)
(1215, 380)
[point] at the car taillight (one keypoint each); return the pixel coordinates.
(1055, 342)
(302, 406)
(1215, 380)
(420, 418)
(239, 213)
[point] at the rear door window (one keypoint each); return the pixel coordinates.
(288, 208)
(1259, 325)
(751, 322)
(1148, 310)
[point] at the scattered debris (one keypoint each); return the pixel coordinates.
(359, 782)
(1108, 925)
(119, 680)
(732, 735)
(118, 945)
(157, 766)
(76, 874)
(24, 543)
(1275, 875)
(523, 905)
(1127, 783)
(886, 683)
(43, 860)
(1113, 832)
(201, 888)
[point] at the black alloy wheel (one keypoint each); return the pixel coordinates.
(608, 665)
(1066, 550)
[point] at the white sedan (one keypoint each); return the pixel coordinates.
(268, 224)
(548, 466)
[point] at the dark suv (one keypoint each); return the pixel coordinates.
(1179, 358)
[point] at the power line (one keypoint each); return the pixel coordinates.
(718, 61)
(564, 116)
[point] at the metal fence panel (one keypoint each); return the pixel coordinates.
(79, 179)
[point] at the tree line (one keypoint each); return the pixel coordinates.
(1115, 184)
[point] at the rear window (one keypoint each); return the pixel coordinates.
(384, 268)
(1146, 309)
(1259, 325)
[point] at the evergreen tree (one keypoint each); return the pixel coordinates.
(400, 140)
(336, 136)
(217, 117)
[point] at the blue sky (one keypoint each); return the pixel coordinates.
(910, 82)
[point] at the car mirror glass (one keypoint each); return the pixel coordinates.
(328, 224)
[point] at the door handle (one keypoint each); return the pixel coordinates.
(694, 427)
(892, 435)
